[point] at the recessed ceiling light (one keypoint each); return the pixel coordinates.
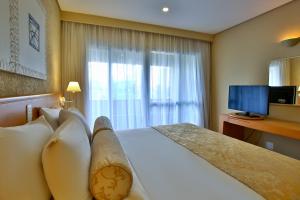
(165, 9)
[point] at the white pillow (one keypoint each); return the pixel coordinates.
(66, 161)
(21, 171)
(51, 115)
(73, 112)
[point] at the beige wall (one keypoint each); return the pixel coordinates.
(241, 56)
(295, 71)
(16, 85)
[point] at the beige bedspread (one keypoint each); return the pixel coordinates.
(272, 175)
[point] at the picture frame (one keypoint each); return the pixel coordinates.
(23, 38)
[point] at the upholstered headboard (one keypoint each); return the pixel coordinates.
(13, 110)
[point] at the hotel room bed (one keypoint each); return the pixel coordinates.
(187, 162)
(169, 171)
(184, 161)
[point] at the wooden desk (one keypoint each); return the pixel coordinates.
(234, 127)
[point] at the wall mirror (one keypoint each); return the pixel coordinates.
(284, 77)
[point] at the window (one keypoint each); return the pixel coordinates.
(144, 90)
(274, 76)
(116, 88)
(99, 80)
(126, 81)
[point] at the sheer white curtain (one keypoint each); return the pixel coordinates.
(279, 72)
(115, 61)
(177, 84)
(140, 79)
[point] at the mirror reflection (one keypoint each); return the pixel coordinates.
(284, 77)
(285, 72)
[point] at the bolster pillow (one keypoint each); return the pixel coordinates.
(102, 123)
(110, 174)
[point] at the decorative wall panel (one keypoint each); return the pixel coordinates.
(26, 36)
(12, 84)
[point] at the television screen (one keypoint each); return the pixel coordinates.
(252, 99)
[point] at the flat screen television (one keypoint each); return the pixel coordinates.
(252, 100)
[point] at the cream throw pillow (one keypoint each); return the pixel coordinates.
(21, 171)
(110, 173)
(66, 161)
(51, 115)
(73, 112)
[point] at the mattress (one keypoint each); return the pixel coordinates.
(169, 171)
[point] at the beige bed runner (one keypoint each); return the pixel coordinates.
(272, 175)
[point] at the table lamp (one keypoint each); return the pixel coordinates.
(73, 87)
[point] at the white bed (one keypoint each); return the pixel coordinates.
(169, 171)
(166, 167)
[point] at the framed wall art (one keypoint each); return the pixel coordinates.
(5, 36)
(23, 50)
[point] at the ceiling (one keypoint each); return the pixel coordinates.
(208, 16)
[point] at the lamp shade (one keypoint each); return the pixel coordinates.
(73, 87)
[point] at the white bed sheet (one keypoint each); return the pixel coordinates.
(168, 171)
